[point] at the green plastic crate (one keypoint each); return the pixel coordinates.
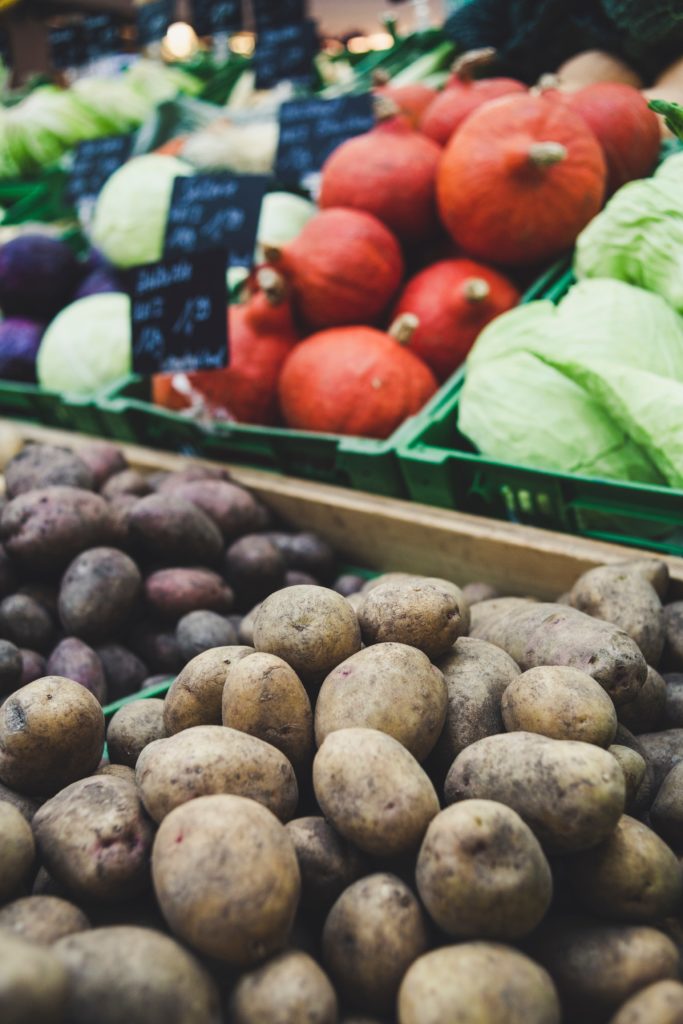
(48, 408)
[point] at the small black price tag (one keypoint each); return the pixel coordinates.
(68, 46)
(221, 209)
(102, 35)
(211, 18)
(94, 162)
(179, 313)
(311, 129)
(285, 54)
(153, 19)
(273, 13)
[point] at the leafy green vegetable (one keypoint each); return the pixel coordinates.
(672, 113)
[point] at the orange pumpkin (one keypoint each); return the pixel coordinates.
(411, 100)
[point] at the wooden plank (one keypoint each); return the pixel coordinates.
(385, 534)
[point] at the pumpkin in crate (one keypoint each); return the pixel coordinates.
(344, 267)
(519, 180)
(453, 300)
(355, 380)
(261, 335)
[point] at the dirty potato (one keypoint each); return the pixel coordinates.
(132, 728)
(17, 853)
(418, 613)
(43, 919)
(196, 696)
(562, 703)
(328, 864)
(289, 989)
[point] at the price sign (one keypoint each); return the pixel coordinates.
(153, 20)
(312, 129)
(94, 162)
(273, 13)
(102, 35)
(285, 54)
(210, 210)
(223, 17)
(5, 49)
(179, 314)
(68, 46)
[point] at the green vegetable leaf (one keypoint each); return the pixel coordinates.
(673, 113)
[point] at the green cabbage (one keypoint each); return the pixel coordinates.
(672, 168)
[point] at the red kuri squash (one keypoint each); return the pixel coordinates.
(345, 267)
(411, 100)
(354, 380)
(519, 180)
(453, 300)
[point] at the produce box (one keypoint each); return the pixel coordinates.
(29, 402)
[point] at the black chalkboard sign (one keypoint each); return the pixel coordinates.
(311, 129)
(68, 46)
(273, 13)
(213, 17)
(5, 48)
(179, 313)
(153, 19)
(94, 162)
(221, 209)
(285, 54)
(102, 35)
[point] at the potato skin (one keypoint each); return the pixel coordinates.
(98, 592)
(289, 989)
(196, 695)
(561, 703)
(33, 983)
(199, 631)
(212, 861)
(95, 839)
(672, 658)
(74, 659)
(26, 623)
(51, 733)
(158, 648)
(666, 813)
(652, 570)
(132, 728)
(126, 482)
(43, 919)
(662, 750)
(264, 697)
(387, 819)
(328, 864)
(23, 804)
(414, 612)
(212, 759)
(232, 508)
(626, 599)
(10, 667)
(390, 687)
(372, 934)
(17, 852)
(124, 672)
(634, 768)
(33, 666)
(481, 872)
(661, 1003)
(172, 593)
(646, 712)
(137, 975)
(477, 981)
(570, 794)
(103, 460)
(43, 465)
(255, 568)
(173, 531)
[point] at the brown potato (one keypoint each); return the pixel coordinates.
(661, 1003)
(132, 728)
(10, 667)
(102, 459)
(562, 703)
(372, 934)
(43, 919)
(418, 612)
(666, 813)
(647, 789)
(33, 983)
(135, 975)
(255, 568)
(26, 623)
(672, 658)
(626, 599)
(17, 852)
(570, 794)
(210, 759)
(173, 531)
(373, 791)
(481, 872)
(124, 672)
(74, 659)
(487, 611)
(477, 982)
(389, 577)
(51, 733)
(646, 712)
(289, 989)
(127, 481)
(476, 591)
(264, 697)
(245, 632)
(226, 877)
(233, 509)
(199, 631)
(173, 593)
(33, 666)
(652, 570)
(328, 864)
(45, 465)
(634, 768)
(390, 687)
(196, 696)
(119, 771)
(311, 628)
(98, 593)
(662, 750)
(24, 804)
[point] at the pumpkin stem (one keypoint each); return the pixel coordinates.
(476, 289)
(546, 83)
(403, 328)
(272, 254)
(468, 64)
(380, 77)
(545, 154)
(272, 285)
(385, 108)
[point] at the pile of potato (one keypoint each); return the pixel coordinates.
(409, 803)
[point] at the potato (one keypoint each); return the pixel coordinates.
(98, 592)
(196, 696)
(551, 634)
(233, 509)
(42, 919)
(132, 728)
(477, 982)
(289, 989)
(652, 570)
(10, 667)
(485, 611)
(8, 575)
(127, 481)
(158, 648)
(173, 531)
(245, 632)
(24, 804)
(562, 703)
(33, 666)
(328, 864)
(633, 766)
(33, 983)
(199, 631)
(44, 465)
(102, 459)
(211, 759)
(646, 712)
(476, 591)
(662, 750)
(17, 852)
(173, 593)
(135, 975)
(26, 623)
(388, 577)
(672, 658)
(390, 687)
(673, 703)
(119, 512)
(647, 789)
(297, 578)
(311, 628)
(570, 794)
(348, 583)
(264, 697)
(372, 934)
(481, 872)
(627, 600)
(373, 791)
(255, 568)
(666, 813)
(226, 877)
(596, 967)
(73, 659)
(306, 552)
(51, 733)
(95, 839)
(415, 612)
(661, 1003)
(632, 876)
(124, 672)
(118, 771)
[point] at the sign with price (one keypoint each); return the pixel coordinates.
(153, 19)
(311, 129)
(68, 46)
(212, 18)
(273, 13)
(221, 209)
(94, 162)
(102, 35)
(179, 314)
(285, 54)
